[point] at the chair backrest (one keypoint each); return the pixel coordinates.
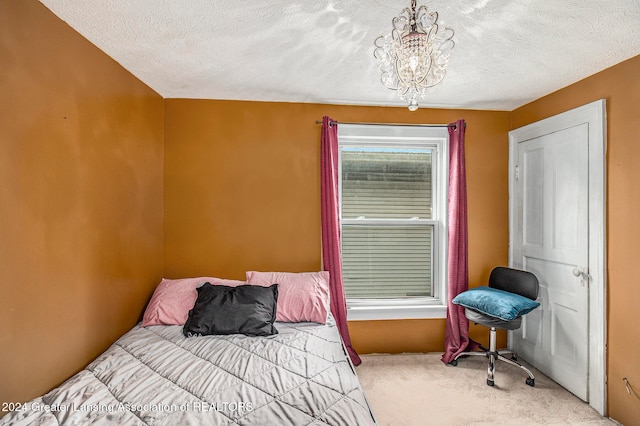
(515, 281)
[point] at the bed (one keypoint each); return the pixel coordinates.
(161, 375)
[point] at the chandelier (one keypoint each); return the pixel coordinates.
(414, 55)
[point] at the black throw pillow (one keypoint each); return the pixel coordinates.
(220, 309)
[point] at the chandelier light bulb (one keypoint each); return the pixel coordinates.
(414, 55)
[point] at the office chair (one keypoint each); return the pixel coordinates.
(511, 293)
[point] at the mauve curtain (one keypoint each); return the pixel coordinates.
(331, 257)
(457, 331)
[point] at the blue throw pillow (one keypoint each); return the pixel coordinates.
(495, 303)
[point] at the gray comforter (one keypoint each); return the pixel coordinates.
(155, 375)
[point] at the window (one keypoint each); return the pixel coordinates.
(393, 220)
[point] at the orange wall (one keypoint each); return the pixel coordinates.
(81, 198)
(242, 192)
(620, 86)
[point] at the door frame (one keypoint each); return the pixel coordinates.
(594, 114)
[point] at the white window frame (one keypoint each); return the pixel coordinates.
(436, 139)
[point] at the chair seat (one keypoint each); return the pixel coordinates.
(488, 321)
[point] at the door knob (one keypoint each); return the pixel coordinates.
(576, 272)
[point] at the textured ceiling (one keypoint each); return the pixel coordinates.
(508, 52)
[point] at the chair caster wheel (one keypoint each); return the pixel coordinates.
(490, 382)
(454, 362)
(531, 382)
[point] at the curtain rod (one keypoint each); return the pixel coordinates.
(332, 122)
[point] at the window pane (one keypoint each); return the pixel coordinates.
(387, 261)
(386, 183)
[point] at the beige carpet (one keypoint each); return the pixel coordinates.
(418, 389)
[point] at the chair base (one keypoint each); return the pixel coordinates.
(494, 355)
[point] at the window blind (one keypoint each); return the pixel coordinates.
(393, 259)
(381, 261)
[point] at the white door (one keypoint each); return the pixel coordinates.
(551, 212)
(551, 215)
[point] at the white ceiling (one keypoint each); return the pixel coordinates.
(507, 53)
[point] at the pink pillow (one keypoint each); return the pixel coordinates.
(302, 296)
(172, 300)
